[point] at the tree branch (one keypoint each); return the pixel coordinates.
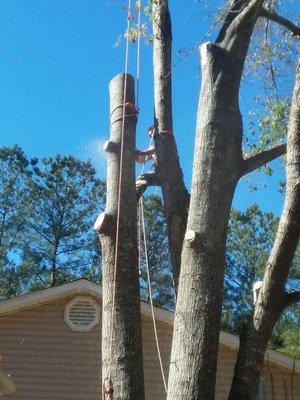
(258, 160)
(281, 21)
(292, 298)
(272, 297)
(144, 181)
(240, 13)
(175, 194)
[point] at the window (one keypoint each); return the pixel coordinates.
(82, 313)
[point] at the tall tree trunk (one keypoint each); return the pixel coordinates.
(273, 298)
(175, 195)
(53, 272)
(217, 167)
(53, 276)
(126, 364)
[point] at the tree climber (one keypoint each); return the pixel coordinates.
(142, 156)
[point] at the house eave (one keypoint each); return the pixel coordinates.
(83, 286)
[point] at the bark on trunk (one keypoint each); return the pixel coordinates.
(127, 366)
(216, 170)
(216, 164)
(175, 195)
(53, 277)
(53, 273)
(273, 298)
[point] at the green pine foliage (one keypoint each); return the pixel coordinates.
(15, 173)
(158, 255)
(64, 194)
(250, 240)
(47, 212)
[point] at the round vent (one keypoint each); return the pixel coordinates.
(82, 313)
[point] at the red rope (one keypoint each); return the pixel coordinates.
(129, 110)
(133, 112)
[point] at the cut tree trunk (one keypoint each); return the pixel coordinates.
(217, 167)
(216, 164)
(175, 195)
(272, 298)
(126, 364)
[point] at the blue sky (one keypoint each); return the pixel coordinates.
(57, 58)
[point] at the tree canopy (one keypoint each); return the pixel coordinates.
(48, 210)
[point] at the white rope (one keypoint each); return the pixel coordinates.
(150, 294)
(138, 57)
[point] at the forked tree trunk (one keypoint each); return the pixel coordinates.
(175, 195)
(217, 167)
(273, 298)
(216, 164)
(127, 365)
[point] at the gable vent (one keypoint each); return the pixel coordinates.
(82, 313)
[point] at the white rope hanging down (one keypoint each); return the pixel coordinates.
(138, 54)
(107, 383)
(150, 294)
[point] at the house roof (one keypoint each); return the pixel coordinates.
(83, 286)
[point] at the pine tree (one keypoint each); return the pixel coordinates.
(65, 195)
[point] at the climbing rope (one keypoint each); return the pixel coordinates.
(138, 54)
(107, 383)
(141, 207)
(129, 110)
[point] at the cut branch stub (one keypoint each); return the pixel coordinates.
(190, 236)
(105, 223)
(111, 146)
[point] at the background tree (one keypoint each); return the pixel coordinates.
(15, 172)
(274, 296)
(158, 255)
(249, 242)
(47, 210)
(219, 164)
(65, 195)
